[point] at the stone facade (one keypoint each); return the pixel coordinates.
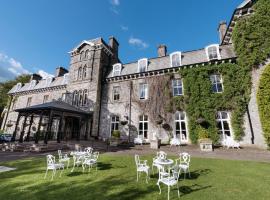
(90, 84)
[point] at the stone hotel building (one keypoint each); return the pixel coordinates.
(99, 94)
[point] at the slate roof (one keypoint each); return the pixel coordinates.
(57, 81)
(53, 105)
(243, 4)
(188, 58)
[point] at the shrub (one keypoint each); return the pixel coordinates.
(116, 134)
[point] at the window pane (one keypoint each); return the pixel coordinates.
(224, 115)
(183, 125)
(141, 117)
(145, 126)
(214, 88)
(177, 116)
(228, 133)
(226, 125)
(145, 117)
(140, 126)
(182, 114)
(177, 126)
(219, 126)
(219, 87)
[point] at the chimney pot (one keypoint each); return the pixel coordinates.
(162, 50)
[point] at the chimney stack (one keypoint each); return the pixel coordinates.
(36, 77)
(114, 46)
(162, 50)
(60, 71)
(222, 28)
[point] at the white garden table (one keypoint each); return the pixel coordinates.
(165, 163)
(78, 158)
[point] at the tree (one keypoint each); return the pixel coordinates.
(5, 87)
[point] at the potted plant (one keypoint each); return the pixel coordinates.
(114, 140)
(206, 144)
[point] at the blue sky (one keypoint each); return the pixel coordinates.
(36, 35)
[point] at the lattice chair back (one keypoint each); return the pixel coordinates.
(161, 155)
(184, 158)
(137, 160)
(88, 150)
(50, 160)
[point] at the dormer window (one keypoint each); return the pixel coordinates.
(117, 69)
(18, 86)
(48, 81)
(212, 52)
(175, 59)
(66, 78)
(32, 84)
(142, 65)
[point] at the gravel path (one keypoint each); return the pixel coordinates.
(250, 154)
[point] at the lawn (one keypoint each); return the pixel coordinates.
(116, 179)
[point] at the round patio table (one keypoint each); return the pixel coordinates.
(78, 158)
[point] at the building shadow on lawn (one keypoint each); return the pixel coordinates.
(195, 174)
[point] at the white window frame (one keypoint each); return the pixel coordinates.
(113, 92)
(220, 119)
(114, 121)
(143, 121)
(215, 83)
(45, 98)
(180, 57)
(143, 60)
(218, 52)
(143, 86)
(117, 68)
(181, 120)
(177, 86)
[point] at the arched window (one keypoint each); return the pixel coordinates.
(80, 98)
(84, 97)
(181, 126)
(87, 54)
(32, 84)
(75, 98)
(80, 73)
(212, 52)
(84, 72)
(82, 55)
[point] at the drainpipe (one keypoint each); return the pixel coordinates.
(129, 117)
(250, 125)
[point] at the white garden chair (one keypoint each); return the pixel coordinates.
(90, 161)
(183, 163)
(138, 140)
(175, 141)
(161, 155)
(169, 179)
(77, 161)
(88, 150)
(141, 166)
(230, 143)
(52, 165)
(63, 158)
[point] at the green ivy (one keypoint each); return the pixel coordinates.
(251, 36)
(263, 99)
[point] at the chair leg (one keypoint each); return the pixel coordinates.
(168, 192)
(83, 167)
(67, 164)
(61, 171)
(46, 174)
(53, 174)
(189, 173)
(159, 187)
(146, 177)
(137, 176)
(178, 190)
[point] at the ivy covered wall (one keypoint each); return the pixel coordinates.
(200, 101)
(263, 99)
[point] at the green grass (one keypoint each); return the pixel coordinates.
(116, 179)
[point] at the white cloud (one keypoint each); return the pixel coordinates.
(9, 67)
(124, 28)
(114, 10)
(44, 74)
(138, 43)
(115, 2)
